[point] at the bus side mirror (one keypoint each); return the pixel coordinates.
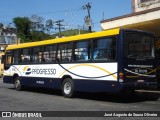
(3, 59)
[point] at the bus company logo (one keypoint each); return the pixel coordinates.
(38, 71)
(27, 70)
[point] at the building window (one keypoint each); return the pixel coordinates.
(142, 1)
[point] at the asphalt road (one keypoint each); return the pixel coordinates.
(52, 100)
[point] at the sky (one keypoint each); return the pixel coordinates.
(68, 10)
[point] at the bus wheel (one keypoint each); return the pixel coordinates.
(68, 88)
(17, 84)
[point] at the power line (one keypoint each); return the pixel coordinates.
(52, 12)
(87, 7)
(59, 11)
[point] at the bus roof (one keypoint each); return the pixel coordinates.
(65, 39)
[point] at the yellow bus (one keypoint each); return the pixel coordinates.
(1, 64)
(107, 61)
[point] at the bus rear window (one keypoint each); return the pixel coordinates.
(139, 46)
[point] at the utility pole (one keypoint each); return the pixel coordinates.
(58, 23)
(88, 18)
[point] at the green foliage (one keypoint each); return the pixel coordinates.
(34, 29)
(37, 23)
(71, 33)
(23, 26)
(1, 25)
(38, 36)
(29, 31)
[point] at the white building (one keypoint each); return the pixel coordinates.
(141, 5)
(145, 16)
(7, 36)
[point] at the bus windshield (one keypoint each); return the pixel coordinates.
(140, 46)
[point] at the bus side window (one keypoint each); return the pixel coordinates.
(25, 55)
(64, 52)
(104, 49)
(49, 54)
(36, 55)
(9, 57)
(82, 51)
(53, 53)
(16, 56)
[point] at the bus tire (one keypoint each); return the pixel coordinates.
(68, 88)
(17, 84)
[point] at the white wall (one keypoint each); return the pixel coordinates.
(146, 5)
(131, 20)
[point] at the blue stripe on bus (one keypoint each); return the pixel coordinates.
(80, 84)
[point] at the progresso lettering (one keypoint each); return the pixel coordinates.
(49, 71)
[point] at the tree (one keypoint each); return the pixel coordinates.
(1, 25)
(23, 26)
(38, 36)
(49, 26)
(31, 29)
(37, 23)
(35, 28)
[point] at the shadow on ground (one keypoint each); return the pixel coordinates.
(139, 96)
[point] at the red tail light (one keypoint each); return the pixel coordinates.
(121, 77)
